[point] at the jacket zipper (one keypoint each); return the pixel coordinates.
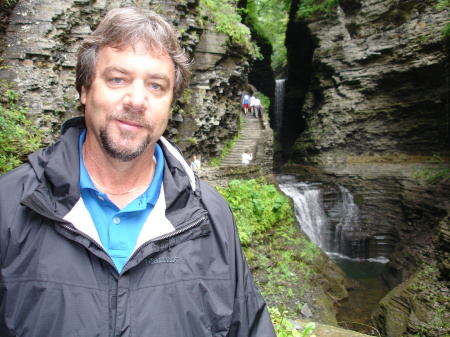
(161, 238)
(165, 237)
(76, 231)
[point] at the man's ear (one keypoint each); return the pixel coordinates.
(83, 95)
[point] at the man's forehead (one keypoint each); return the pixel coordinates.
(107, 61)
(139, 48)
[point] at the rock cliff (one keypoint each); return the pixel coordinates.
(420, 304)
(369, 80)
(367, 106)
(40, 39)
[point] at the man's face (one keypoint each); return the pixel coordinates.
(128, 103)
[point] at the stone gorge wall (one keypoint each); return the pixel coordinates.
(211, 118)
(375, 110)
(379, 83)
(39, 44)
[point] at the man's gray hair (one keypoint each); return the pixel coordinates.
(124, 27)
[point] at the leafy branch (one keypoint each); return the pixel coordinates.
(227, 20)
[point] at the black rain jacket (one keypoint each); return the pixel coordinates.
(57, 281)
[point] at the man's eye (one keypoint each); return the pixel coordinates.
(155, 86)
(117, 80)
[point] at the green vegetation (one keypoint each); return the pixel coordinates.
(216, 161)
(265, 101)
(309, 8)
(269, 18)
(192, 140)
(10, 2)
(429, 292)
(276, 250)
(284, 328)
(443, 4)
(256, 206)
(227, 20)
(18, 135)
(432, 175)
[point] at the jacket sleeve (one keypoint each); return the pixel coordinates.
(250, 317)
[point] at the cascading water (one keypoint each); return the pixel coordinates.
(308, 209)
(279, 103)
(329, 216)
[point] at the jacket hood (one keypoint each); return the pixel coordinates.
(57, 170)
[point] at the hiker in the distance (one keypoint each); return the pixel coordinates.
(246, 157)
(256, 106)
(245, 103)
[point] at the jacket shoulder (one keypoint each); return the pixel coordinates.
(12, 182)
(14, 185)
(212, 198)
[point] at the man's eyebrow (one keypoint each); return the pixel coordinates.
(158, 76)
(115, 68)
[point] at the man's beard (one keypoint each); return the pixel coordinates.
(120, 152)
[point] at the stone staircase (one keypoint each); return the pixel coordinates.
(248, 139)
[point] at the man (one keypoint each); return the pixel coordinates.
(109, 232)
(256, 106)
(195, 164)
(252, 104)
(246, 157)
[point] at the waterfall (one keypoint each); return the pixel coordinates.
(279, 102)
(329, 216)
(308, 209)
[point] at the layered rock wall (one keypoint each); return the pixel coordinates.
(379, 85)
(40, 44)
(420, 304)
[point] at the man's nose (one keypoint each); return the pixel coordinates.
(136, 96)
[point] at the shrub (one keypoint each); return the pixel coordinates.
(284, 328)
(18, 135)
(265, 101)
(309, 8)
(257, 207)
(444, 4)
(432, 176)
(227, 20)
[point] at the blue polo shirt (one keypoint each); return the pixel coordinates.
(119, 229)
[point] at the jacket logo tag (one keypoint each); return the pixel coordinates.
(156, 260)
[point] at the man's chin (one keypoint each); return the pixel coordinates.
(124, 152)
(124, 155)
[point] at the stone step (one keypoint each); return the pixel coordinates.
(249, 135)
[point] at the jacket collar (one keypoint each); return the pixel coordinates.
(57, 169)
